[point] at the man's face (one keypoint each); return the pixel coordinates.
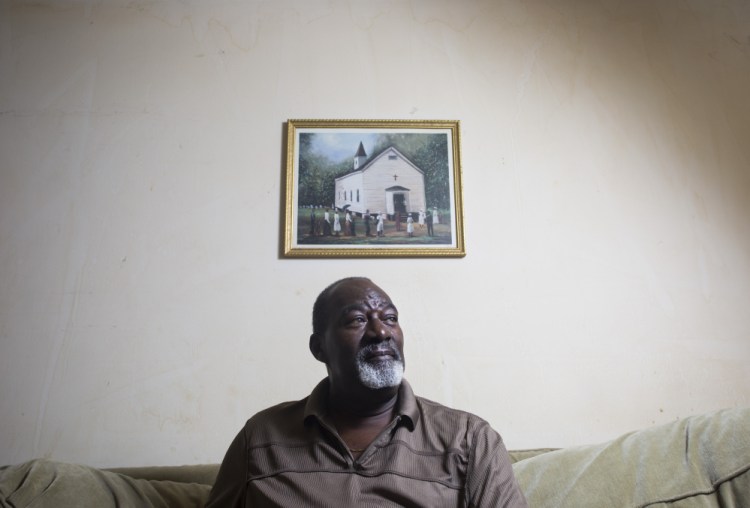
(363, 341)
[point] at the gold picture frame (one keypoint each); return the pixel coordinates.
(373, 188)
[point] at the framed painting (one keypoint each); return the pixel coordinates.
(373, 188)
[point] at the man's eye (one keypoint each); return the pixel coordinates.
(392, 319)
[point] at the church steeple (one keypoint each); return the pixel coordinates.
(360, 156)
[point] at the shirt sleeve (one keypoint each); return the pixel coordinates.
(491, 482)
(231, 482)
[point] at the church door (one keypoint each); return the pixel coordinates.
(399, 202)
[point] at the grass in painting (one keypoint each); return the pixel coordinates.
(393, 235)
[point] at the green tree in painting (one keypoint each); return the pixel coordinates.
(316, 180)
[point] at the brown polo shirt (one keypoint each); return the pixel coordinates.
(290, 455)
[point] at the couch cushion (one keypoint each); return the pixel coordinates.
(701, 461)
(45, 483)
(198, 473)
(518, 455)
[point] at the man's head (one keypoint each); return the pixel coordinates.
(357, 335)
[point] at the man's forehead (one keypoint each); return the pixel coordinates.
(359, 292)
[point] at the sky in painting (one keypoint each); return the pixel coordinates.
(338, 146)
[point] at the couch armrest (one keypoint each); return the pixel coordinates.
(697, 462)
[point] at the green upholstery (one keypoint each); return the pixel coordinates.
(203, 473)
(519, 455)
(701, 461)
(49, 484)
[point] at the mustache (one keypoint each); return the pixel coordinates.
(378, 349)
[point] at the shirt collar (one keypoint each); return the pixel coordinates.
(317, 404)
(316, 401)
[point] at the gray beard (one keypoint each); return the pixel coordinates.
(381, 375)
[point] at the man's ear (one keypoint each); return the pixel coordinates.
(316, 348)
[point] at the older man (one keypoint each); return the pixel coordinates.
(362, 438)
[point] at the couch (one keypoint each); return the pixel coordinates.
(699, 461)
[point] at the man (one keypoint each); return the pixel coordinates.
(312, 221)
(362, 438)
(366, 218)
(326, 223)
(336, 223)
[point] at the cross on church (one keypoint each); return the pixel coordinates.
(395, 176)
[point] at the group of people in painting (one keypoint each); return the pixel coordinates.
(335, 222)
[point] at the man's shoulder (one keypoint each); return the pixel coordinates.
(277, 423)
(282, 410)
(432, 409)
(460, 424)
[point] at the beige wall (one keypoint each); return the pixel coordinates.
(144, 310)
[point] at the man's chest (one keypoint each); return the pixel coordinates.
(397, 473)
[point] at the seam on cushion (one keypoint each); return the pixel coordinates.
(38, 463)
(531, 450)
(714, 487)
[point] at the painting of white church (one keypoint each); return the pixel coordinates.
(388, 183)
(373, 188)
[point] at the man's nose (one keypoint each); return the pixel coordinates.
(378, 330)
